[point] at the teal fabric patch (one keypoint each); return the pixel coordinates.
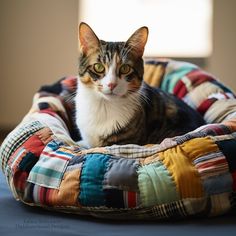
(173, 77)
(156, 185)
(91, 180)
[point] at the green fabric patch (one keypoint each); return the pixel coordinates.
(156, 185)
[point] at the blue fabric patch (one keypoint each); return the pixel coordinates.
(91, 180)
(218, 184)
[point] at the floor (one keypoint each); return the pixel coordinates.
(19, 219)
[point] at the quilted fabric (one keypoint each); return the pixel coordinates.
(189, 175)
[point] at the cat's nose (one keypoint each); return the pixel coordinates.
(112, 85)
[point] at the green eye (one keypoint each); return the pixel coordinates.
(99, 68)
(125, 69)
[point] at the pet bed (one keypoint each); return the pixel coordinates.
(189, 175)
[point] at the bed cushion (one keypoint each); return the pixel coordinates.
(189, 175)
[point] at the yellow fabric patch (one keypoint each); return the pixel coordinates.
(178, 160)
(185, 175)
(153, 74)
(197, 147)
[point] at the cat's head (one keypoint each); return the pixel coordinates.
(111, 69)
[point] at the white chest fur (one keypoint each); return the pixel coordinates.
(97, 117)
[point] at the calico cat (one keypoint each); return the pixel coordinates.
(114, 105)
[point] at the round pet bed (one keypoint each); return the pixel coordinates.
(189, 175)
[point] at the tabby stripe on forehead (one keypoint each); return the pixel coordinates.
(108, 56)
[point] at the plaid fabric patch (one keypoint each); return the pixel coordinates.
(203, 131)
(170, 210)
(15, 139)
(51, 166)
(136, 151)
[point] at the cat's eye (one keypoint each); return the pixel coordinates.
(99, 68)
(125, 69)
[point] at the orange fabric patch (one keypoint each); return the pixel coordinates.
(67, 195)
(34, 145)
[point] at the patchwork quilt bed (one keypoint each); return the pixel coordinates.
(189, 175)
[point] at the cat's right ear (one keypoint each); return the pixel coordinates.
(88, 40)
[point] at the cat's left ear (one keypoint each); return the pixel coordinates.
(88, 40)
(138, 40)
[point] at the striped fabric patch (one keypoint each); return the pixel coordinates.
(131, 199)
(49, 170)
(190, 81)
(205, 105)
(174, 72)
(16, 158)
(213, 130)
(212, 164)
(15, 139)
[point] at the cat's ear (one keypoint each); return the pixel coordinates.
(137, 41)
(88, 40)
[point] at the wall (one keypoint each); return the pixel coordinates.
(222, 63)
(38, 45)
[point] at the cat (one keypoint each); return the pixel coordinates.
(114, 105)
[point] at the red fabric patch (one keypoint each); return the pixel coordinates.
(34, 145)
(42, 195)
(198, 77)
(132, 199)
(204, 106)
(180, 89)
(19, 180)
(48, 111)
(54, 155)
(212, 163)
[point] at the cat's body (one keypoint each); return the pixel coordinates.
(114, 105)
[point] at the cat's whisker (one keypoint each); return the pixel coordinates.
(70, 97)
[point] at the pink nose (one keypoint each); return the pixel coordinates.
(112, 86)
